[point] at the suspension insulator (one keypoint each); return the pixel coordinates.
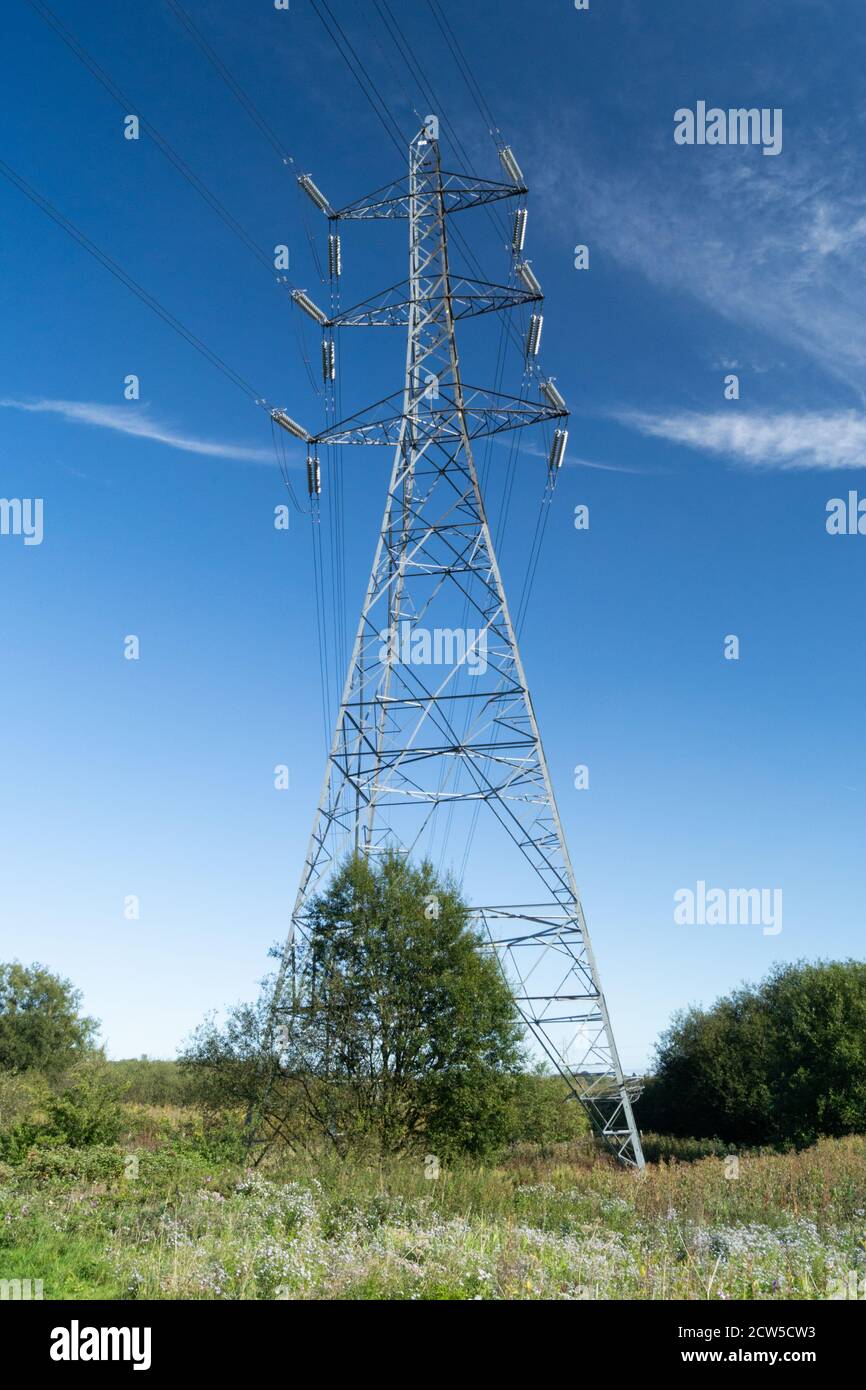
(518, 240)
(329, 360)
(335, 256)
(533, 337)
(314, 476)
(557, 452)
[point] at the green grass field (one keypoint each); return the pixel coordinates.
(168, 1214)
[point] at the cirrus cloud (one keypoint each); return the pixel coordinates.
(138, 421)
(782, 440)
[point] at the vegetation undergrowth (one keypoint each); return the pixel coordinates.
(173, 1211)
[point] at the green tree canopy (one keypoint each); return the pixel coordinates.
(781, 1062)
(41, 1026)
(396, 1030)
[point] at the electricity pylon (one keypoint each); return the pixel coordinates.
(436, 723)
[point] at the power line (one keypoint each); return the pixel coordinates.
(360, 73)
(407, 54)
(146, 298)
(534, 555)
(364, 81)
(127, 105)
(234, 86)
(382, 110)
(451, 38)
(120, 274)
(468, 75)
(264, 126)
(395, 71)
(321, 619)
(180, 164)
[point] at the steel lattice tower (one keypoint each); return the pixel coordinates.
(412, 750)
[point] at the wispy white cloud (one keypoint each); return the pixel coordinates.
(138, 421)
(792, 440)
(573, 461)
(773, 245)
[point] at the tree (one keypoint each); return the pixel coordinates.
(41, 1026)
(779, 1063)
(234, 1065)
(402, 1033)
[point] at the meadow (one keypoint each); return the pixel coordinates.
(172, 1211)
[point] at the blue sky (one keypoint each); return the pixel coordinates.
(155, 778)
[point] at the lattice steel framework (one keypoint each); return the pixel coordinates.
(420, 749)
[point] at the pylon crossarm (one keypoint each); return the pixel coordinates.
(459, 192)
(439, 417)
(391, 308)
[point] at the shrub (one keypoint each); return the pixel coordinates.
(149, 1081)
(85, 1112)
(779, 1063)
(543, 1111)
(41, 1026)
(99, 1163)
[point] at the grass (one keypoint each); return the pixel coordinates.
(169, 1215)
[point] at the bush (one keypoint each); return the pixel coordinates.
(21, 1096)
(41, 1027)
(85, 1112)
(780, 1063)
(543, 1111)
(60, 1163)
(147, 1081)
